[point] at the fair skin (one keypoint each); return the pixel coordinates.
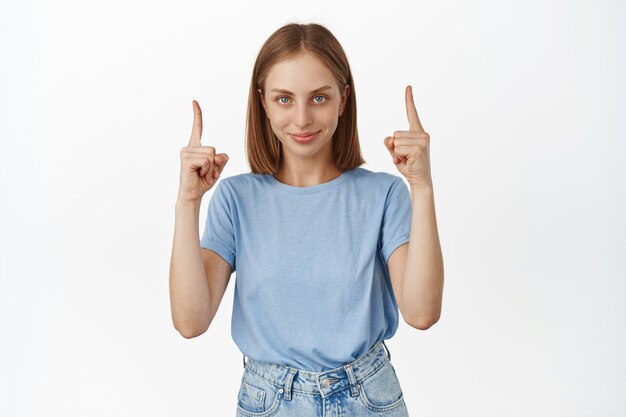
(198, 276)
(301, 95)
(416, 268)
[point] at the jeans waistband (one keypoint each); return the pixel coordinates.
(326, 382)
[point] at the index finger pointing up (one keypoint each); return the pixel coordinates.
(411, 111)
(196, 131)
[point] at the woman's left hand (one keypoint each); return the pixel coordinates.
(411, 149)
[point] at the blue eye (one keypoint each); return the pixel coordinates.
(281, 101)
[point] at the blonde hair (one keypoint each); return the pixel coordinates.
(262, 145)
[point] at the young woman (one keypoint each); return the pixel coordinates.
(327, 253)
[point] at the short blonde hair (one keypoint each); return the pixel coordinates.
(262, 145)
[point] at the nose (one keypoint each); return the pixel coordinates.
(303, 116)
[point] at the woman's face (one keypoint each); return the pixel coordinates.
(302, 97)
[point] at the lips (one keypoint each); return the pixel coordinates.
(304, 137)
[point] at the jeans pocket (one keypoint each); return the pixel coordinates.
(257, 397)
(381, 391)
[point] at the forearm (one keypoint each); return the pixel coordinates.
(189, 290)
(422, 289)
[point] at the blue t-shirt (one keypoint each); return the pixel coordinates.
(312, 288)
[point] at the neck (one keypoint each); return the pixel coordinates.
(306, 174)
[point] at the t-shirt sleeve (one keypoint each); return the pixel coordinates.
(219, 232)
(396, 224)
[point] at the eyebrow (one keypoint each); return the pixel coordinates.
(279, 90)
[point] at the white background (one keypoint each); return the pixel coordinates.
(524, 102)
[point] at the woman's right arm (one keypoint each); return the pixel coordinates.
(189, 289)
(198, 277)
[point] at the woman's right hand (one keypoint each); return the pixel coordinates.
(200, 165)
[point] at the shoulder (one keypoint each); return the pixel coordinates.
(244, 180)
(377, 180)
(241, 186)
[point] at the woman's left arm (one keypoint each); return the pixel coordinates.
(416, 268)
(422, 283)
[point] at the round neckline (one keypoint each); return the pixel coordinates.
(310, 189)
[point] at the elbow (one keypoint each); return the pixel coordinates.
(189, 332)
(423, 323)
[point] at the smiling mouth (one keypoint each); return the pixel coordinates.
(304, 138)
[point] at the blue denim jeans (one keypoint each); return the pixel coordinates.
(367, 386)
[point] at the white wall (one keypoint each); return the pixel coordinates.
(524, 102)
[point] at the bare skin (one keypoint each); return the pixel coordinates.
(198, 277)
(297, 108)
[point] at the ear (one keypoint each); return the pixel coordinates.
(344, 99)
(262, 100)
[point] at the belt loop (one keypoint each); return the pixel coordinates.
(387, 349)
(290, 375)
(354, 387)
(244, 360)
